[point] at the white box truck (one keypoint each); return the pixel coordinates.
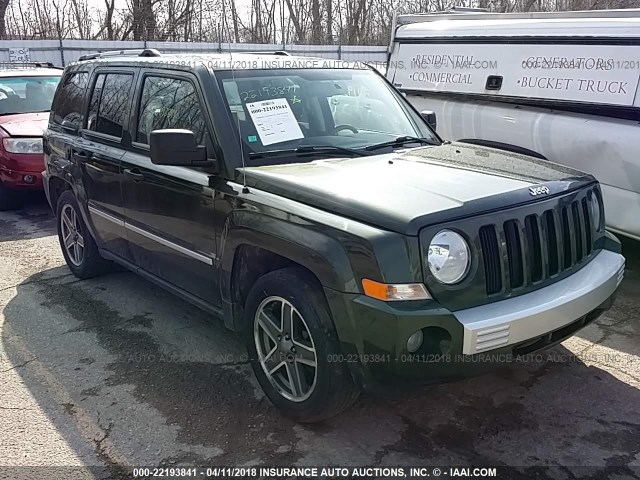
(560, 86)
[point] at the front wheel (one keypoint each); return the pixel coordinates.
(9, 199)
(291, 340)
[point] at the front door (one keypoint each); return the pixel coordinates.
(169, 210)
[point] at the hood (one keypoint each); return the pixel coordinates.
(405, 191)
(25, 124)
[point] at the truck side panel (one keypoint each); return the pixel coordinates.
(605, 147)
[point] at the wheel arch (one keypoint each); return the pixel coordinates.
(57, 186)
(62, 180)
(255, 247)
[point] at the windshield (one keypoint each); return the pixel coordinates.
(289, 110)
(26, 94)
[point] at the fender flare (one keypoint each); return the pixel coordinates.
(324, 256)
(64, 171)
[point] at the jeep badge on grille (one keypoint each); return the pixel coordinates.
(539, 190)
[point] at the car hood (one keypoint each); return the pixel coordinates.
(25, 124)
(405, 191)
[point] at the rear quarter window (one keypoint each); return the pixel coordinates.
(68, 103)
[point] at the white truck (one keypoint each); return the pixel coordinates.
(563, 87)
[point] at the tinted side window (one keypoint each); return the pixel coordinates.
(109, 103)
(94, 102)
(67, 104)
(169, 103)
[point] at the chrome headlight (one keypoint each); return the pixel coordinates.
(22, 145)
(596, 211)
(449, 257)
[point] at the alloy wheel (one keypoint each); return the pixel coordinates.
(285, 348)
(72, 235)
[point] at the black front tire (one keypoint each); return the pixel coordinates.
(335, 389)
(9, 199)
(91, 263)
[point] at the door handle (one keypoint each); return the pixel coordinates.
(79, 155)
(134, 173)
(494, 82)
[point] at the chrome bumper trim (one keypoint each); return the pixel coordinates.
(521, 318)
(170, 244)
(106, 216)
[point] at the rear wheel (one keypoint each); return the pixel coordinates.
(78, 247)
(291, 339)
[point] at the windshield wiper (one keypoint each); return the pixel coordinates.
(400, 141)
(310, 150)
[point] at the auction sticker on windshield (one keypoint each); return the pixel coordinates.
(274, 121)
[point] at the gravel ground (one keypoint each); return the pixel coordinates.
(115, 372)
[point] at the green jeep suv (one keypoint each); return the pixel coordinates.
(307, 204)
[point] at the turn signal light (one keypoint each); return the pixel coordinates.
(394, 292)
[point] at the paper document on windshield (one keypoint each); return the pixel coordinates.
(274, 121)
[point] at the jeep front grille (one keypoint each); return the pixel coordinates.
(492, 270)
(529, 249)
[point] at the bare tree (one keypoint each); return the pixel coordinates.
(110, 6)
(329, 38)
(316, 26)
(143, 20)
(294, 16)
(3, 13)
(364, 22)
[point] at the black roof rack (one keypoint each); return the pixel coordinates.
(23, 65)
(146, 52)
(277, 52)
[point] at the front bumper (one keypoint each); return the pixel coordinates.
(456, 344)
(17, 179)
(519, 319)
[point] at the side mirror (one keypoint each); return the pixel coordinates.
(70, 127)
(429, 116)
(177, 147)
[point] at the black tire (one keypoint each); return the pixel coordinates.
(91, 264)
(9, 199)
(334, 389)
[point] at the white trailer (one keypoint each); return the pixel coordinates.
(560, 86)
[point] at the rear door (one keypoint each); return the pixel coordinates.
(99, 150)
(65, 122)
(168, 209)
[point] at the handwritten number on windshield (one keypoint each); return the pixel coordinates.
(271, 92)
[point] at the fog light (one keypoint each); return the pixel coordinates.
(29, 179)
(414, 342)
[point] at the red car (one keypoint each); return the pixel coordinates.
(26, 93)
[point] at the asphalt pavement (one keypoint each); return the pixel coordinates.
(116, 372)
